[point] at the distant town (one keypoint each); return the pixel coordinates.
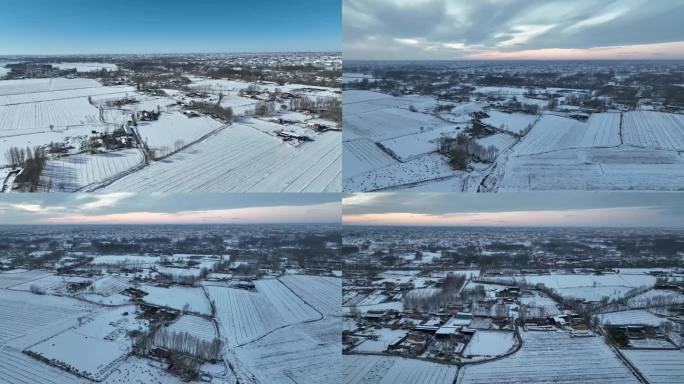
(170, 303)
(483, 305)
(488, 126)
(167, 122)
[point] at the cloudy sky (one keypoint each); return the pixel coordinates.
(516, 209)
(513, 29)
(130, 208)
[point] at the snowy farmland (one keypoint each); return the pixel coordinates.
(611, 151)
(17, 367)
(71, 173)
(26, 316)
(589, 287)
(178, 298)
(512, 122)
(174, 130)
(556, 357)
(286, 330)
(385, 370)
(103, 335)
(490, 343)
(658, 366)
(195, 325)
(245, 316)
(84, 125)
(388, 139)
(241, 159)
(306, 353)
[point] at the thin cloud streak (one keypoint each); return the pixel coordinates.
(196, 208)
(614, 217)
(614, 209)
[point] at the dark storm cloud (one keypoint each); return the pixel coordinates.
(442, 29)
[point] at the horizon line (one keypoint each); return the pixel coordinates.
(505, 60)
(511, 226)
(110, 224)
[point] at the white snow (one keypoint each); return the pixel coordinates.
(174, 130)
(634, 317)
(240, 159)
(197, 326)
(178, 298)
(71, 173)
(552, 357)
(359, 369)
(658, 366)
(245, 316)
(512, 122)
(489, 343)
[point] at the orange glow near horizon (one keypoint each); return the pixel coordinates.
(608, 216)
(279, 214)
(673, 50)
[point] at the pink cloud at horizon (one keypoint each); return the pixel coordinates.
(279, 214)
(672, 50)
(586, 217)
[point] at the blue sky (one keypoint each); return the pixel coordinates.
(168, 26)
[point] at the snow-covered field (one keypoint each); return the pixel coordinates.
(552, 357)
(240, 159)
(286, 331)
(560, 153)
(26, 314)
(424, 168)
(631, 317)
(394, 370)
(499, 140)
(323, 293)
(19, 368)
(658, 366)
(245, 316)
(635, 150)
(654, 130)
(307, 353)
(13, 87)
(512, 122)
(363, 155)
(554, 132)
(71, 173)
(595, 169)
(589, 287)
(489, 343)
(37, 117)
(178, 298)
(103, 336)
(656, 297)
(412, 145)
(174, 130)
(196, 326)
(11, 278)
